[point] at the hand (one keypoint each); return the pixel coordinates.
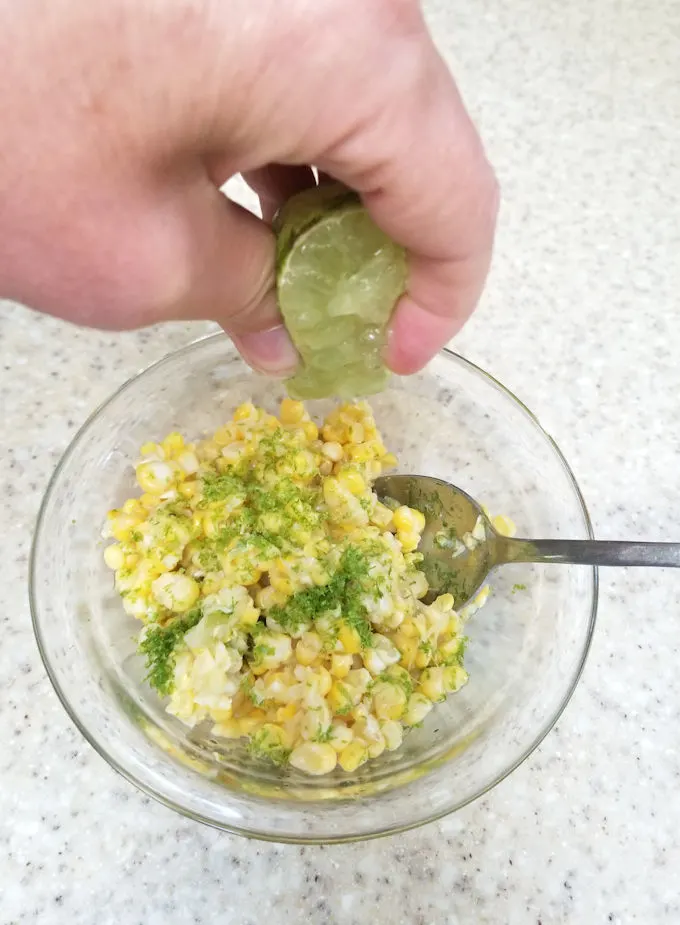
(121, 120)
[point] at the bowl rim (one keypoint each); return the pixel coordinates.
(393, 829)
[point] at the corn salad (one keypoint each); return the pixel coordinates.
(281, 600)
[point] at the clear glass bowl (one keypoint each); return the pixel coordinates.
(526, 651)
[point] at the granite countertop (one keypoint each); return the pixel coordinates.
(580, 104)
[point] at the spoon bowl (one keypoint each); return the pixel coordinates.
(460, 545)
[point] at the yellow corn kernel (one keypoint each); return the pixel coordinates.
(148, 501)
(354, 755)
(417, 708)
(291, 412)
(122, 526)
(244, 411)
(189, 489)
(283, 714)
(322, 680)
(314, 757)
(311, 430)
(340, 736)
(504, 525)
(350, 640)
(388, 461)
(393, 734)
(332, 451)
(220, 716)
(340, 665)
(360, 454)
(248, 724)
(155, 476)
(176, 591)
(114, 557)
(269, 597)
(132, 506)
(444, 602)
(172, 443)
(376, 748)
(409, 628)
(381, 515)
(207, 450)
(455, 676)
(389, 700)
(352, 481)
(409, 541)
(249, 616)
(422, 659)
(131, 560)
(409, 649)
(339, 698)
(150, 449)
(307, 648)
(408, 520)
(432, 684)
(281, 583)
(332, 434)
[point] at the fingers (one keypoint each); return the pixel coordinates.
(277, 182)
(423, 175)
(223, 260)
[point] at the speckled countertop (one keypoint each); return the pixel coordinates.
(580, 104)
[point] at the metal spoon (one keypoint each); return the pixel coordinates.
(460, 546)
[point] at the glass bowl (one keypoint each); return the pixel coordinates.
(526, 648)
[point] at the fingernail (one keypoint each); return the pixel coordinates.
(271, 352)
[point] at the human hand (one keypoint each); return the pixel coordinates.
(121, 120)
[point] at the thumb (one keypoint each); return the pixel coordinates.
(229, 257)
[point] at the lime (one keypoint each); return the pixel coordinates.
(338, 278)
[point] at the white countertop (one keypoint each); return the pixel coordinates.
(580, 105)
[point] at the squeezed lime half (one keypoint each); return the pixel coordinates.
(338, 278)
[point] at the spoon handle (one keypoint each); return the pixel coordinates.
(589, 552)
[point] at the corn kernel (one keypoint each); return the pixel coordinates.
(504, 525)
(333, 451)
(432, 684)
(175, 591)
(340, 664)
(393, 734)
(389, 700)
(314, 757)
(455, 676)
(114, 557)
(444, 602)
(244, 411)
(417, 709)
(155, 477)
(350, 640)
(388, 461)
(189, 489)
(283, 714)
(409, 541)
(352, 481)
(340, 698)
(150, 449)
(311, 430)
(291, 411)
(250, 723)
(307, 648)
(422, 659)
(354, 755)
(172, 443)
(376, 747)
(340, 736)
